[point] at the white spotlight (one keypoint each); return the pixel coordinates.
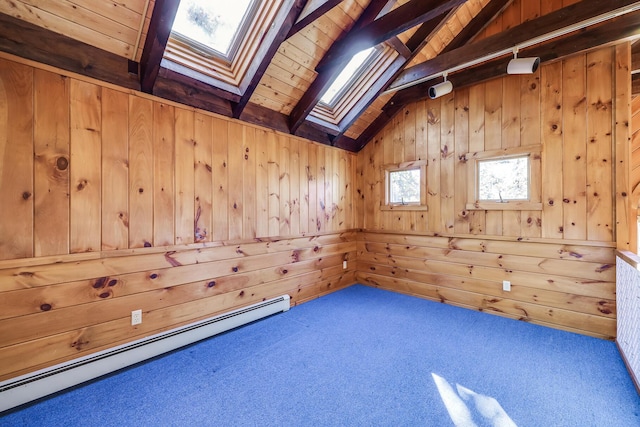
(522, 65)
(436, 91)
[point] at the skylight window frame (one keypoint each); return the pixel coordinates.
(325, 116)
(202, 49)
(232, 77)
(373, 56)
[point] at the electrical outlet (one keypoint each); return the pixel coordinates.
(136, 317)
(344, 265)
(506, 285)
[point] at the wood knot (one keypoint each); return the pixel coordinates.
(113, 282)
(26, 195)
(105, 295)
(62, 163)
(153, 276)
(235, 269)
(140, 190)
(82, 184)
(147, 244)
(211, 284)
(45, 307)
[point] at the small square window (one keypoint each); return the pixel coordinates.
(505, 179)
(405, 186)
(501, 180)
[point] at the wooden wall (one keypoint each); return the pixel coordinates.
(114, 201)
(560, 259)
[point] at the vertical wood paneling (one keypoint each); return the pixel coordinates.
(262, 184)
(284, 178)
(115, 170)
(86, 185)
(600, 221)
(249, 184)
(203, 179)
(461, 140)
(51, 167)
(303, 179)
(312, 177)
(185, 185)
(552, 222)
(16, 160)
(220, 180)
(433, 171)
(236, 160)
(574, 164)
(294, 185)
(626, 231)
(274, 184)
(531, 221)
(328, 189)
(140, 172)
(447, 163)
(163, 174)
(476, 144)
(320, 196)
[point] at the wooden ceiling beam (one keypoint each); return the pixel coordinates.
(389, 25)
(468, 33)
(32, 42)
(622, 28)
(322, 7)
(323, 80)
(286, 22)
(546, 24)
(415, 44)
(164, 13)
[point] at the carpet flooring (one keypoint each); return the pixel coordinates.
(362, 357)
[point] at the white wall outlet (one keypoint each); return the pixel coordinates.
(344, 265)
(506, 285)
(136, 317)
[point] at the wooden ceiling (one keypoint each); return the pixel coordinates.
(123, 42)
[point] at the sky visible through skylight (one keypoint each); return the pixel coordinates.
(212, 23)
(345, 76)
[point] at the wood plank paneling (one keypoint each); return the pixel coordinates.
(184, 248)
(115, 169)
(140, 172)
(51, 168)
(163, 174)
(566, 109)
(16, 165)
(185, 176)
(86, 184)
(203, 180)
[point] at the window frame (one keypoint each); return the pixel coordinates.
(534, 201)
(406, 166)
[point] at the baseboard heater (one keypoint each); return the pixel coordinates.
(26, 388)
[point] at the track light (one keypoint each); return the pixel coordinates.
(436, 91)
(522, 65)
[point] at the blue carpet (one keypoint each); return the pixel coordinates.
(362, 357)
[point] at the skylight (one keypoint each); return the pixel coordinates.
(213, 24)
(347, 76)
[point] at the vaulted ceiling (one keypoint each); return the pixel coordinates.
(303, 48)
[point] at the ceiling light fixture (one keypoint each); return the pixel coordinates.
(522, 65)
(441, 89)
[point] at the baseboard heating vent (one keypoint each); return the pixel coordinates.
(26, 388)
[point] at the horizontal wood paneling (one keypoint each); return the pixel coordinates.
(144, 205)
(562, 286)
